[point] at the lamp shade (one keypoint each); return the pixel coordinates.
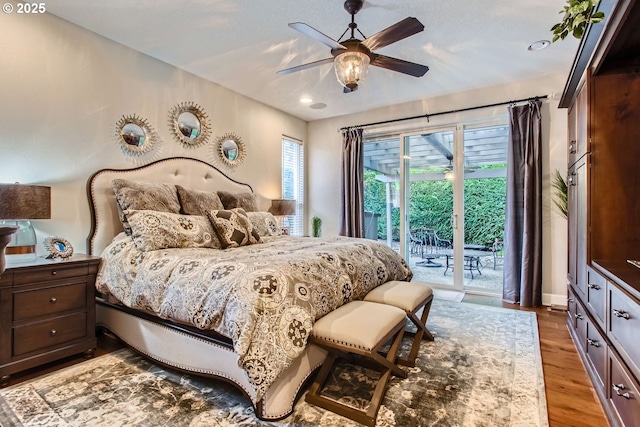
(19, 204)
(282, 207)
(19, 201)
(351, 68)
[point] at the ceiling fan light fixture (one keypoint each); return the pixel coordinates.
(351, 68)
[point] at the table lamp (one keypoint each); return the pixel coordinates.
(19, 204)
(281, 208)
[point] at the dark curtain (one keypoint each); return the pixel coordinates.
(352, 202)
(523, 224)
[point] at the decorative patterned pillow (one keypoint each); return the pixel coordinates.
(143, 195)
(233, 228)
(196, 202)
(264, 223)
(246, 201)
(152, 230)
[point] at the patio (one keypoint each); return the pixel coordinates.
(489, 279)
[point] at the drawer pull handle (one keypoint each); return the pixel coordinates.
(53, 332)
(621, 313)
(593, 342)
(617, 388)
(579, 316)
(53, 300)
(593, 286)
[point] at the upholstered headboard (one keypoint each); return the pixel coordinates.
(189, 173)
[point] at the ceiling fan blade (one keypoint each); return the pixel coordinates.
(305, 66)
(399, 65)
(315, 34)
(403, 29)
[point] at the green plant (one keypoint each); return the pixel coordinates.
(559, 193)
(577, 14)
(316, 226)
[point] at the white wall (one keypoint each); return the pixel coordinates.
(324, 155)
(63, 88)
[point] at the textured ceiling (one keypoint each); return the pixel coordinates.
(240, 44)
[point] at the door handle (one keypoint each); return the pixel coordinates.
(454, 221)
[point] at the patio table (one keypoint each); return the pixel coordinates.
(471, 259)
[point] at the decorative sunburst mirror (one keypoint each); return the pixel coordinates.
(58, 247)
(135, 135)
(189, 124)
(230, 150)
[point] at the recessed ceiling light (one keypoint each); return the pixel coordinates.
(539, 45)
(318, 106)
(306, 100)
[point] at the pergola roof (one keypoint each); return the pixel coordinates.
(482, 147)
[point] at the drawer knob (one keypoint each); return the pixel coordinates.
(593, 342)
(617, 388)
(53, 332)
(53, 300)
(54, 272)
(593, 286)
(621, 313)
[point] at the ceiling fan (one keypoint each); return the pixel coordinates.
(353, 56)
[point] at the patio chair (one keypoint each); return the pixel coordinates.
(435, 242)
(417, 242)
(497, 249)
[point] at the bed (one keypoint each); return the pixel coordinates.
(241, 314)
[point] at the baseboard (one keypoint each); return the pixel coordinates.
(554, 300)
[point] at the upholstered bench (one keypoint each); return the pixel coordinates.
(358, 328)
(410, 297)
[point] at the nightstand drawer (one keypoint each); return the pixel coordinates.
(49, 273)
(54, 299)
(36, 336)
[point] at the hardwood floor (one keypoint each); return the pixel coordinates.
(571, 401)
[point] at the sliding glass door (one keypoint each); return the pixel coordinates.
(429, 190)
(437, 197)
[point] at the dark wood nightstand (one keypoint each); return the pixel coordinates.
(47, 312)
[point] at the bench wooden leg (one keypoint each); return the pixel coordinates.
(421, 333)
(385, 365)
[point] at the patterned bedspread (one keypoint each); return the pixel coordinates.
(265, 297)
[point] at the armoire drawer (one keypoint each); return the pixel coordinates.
(624, 395)
(581, 325)
(597, 295)
(624, 324)
(596, 351)
(572, 303)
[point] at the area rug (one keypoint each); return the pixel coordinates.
(483, 369)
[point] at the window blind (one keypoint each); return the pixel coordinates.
(293, 183)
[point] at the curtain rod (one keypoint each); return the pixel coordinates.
(444, 112)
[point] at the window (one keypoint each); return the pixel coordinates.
(293, 183)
